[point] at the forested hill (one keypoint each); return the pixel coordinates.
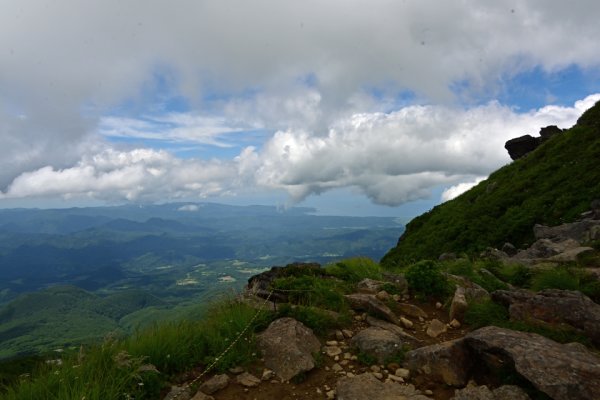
(552, 184)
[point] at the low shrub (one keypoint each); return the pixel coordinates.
(426, 280)
(315, 318)
(556, 278)
(355, 269)
(314, 291)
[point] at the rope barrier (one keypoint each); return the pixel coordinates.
(220, 356)
(237, 339)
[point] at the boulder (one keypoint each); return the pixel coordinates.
(509, 249)
(570, 255)
(553, 306)
(580, 231)
(546, 248)
(391, 327)
(549, 131)
(179, 393)
(370, 303)
(287, 347)
(459, 304)
(411, 310)
(449, 362)
(246, 379)
(215, 384)
(370, 286)
(436, 328)
(378, 342)
(560, 371)
(519, 147)
(506, 392)
(367, 387)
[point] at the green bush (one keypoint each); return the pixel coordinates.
(315, 318)
(426, 280)
(486, 313)
(355, 269)
(558, 278)
(314, 291)
(515, 274)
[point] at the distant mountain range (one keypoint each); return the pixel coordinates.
(71, 275)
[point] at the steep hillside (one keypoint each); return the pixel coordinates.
(551, 185)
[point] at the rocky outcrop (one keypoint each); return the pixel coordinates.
(553, 306)
(506, 392)
(287, 347)
(580, 231)
(560, 371)
(369, 286)
(523, 145)
(449, 362)
(367, 387)
(370, 303)
(380, 343)
(260, 285)
(459, 304)
(519, 147)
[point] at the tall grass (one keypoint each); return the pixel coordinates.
(137, 367)
(355, 269)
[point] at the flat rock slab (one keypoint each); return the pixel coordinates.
(411, 310)
(368, 302)
(378, 342)
(560, 371)
(367, 387)
(390, 327)
(287, 347)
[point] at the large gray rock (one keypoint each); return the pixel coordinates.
(391, 327)
(287, 347)
(369, 286)
(545, 248)
(378, 342)
(553, 306)
(367, 387)
(518, 147)
(411, 310)
(506, 392)
(449, 362)
(370, 303)
(560, 371)
(581, 231)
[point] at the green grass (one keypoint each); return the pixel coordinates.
(121, 369)
(355, 270)
(314, 291)
(556, 278)
(538, 188)
(319, 320)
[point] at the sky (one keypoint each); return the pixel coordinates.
(379, 107)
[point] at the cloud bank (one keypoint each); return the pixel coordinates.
(332, 84)
(392, 158)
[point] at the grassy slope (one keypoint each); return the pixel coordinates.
(553, 184)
